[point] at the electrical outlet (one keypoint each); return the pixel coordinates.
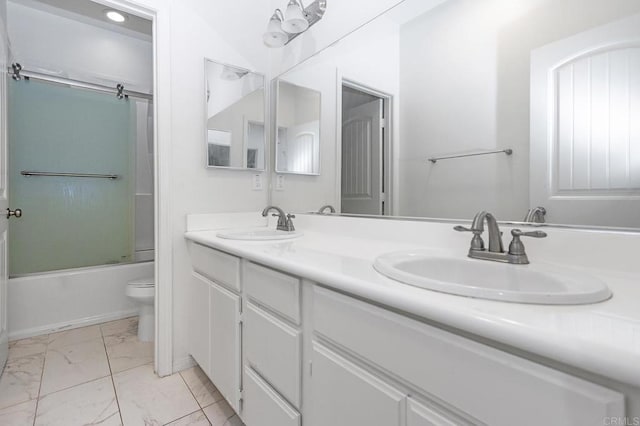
(280, 183)
(256, 182)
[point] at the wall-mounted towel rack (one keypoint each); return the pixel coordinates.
(507, 151)
(56, 174)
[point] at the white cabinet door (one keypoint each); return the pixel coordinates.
(225, 343)
(199, 333)
(347, 395)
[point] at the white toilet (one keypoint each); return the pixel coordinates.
(143, 292)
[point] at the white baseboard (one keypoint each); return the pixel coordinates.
(82, 322)
(183, 363)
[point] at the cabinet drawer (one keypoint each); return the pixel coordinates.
(217, 266)
(345, 394)
(273, 289)
(492, 386)
(262, 406)
(273, 349)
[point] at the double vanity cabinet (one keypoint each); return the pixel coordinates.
(286, 351)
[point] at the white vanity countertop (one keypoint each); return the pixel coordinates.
(602, 338)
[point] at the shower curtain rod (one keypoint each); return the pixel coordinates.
(17, 73)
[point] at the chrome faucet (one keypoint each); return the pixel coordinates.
(516, 254)
(329, 207)
(285, 222)
(536, 215)
(495, 236)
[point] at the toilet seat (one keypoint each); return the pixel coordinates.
(142, 282)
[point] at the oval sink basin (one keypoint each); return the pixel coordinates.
(258, 234)
(541, 284)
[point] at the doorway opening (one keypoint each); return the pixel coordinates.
(366, 150)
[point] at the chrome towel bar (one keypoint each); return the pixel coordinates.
(507, 151)
(82, 175)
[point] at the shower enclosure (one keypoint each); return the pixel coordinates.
(81, 170)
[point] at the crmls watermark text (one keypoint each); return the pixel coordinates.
(621, 421)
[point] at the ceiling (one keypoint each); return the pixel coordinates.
(91, 11)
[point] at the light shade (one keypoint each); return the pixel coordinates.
(295, 22)
(275, 37)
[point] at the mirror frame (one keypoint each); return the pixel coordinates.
(265, 107)
(276, 88)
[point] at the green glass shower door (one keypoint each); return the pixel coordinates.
(69, 222)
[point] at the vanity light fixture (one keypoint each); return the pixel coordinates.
(275, 36)
(295, 22)
(115, 16)
(284, 28)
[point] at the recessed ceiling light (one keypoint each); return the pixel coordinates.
(115, 16)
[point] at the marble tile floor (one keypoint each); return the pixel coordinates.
(102, 375)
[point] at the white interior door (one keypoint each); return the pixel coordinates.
(362, 133)
(4, 203)
(585, 126)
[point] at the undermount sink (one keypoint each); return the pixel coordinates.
(540, 284)
(258, 234)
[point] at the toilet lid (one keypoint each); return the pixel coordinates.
(142, 282)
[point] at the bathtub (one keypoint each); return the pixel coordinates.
(61, 300)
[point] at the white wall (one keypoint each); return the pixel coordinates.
(468, 88)
(193, 188)
(42, 41)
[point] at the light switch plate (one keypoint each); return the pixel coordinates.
(280, 183)
(256, 182)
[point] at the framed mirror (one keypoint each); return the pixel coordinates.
(298, 136)
(529, 109)
(235, 106)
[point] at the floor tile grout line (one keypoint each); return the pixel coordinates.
(190, 391)
(198, 402)
(131, 368)
(44, 363)
(185, 416)
(113, 383)
(71, 387)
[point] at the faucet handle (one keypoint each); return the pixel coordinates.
(516, 248)
(477, 243)
(289, 223)
(534, 234)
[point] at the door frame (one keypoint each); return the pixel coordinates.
(163, 265)
(388, 150)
